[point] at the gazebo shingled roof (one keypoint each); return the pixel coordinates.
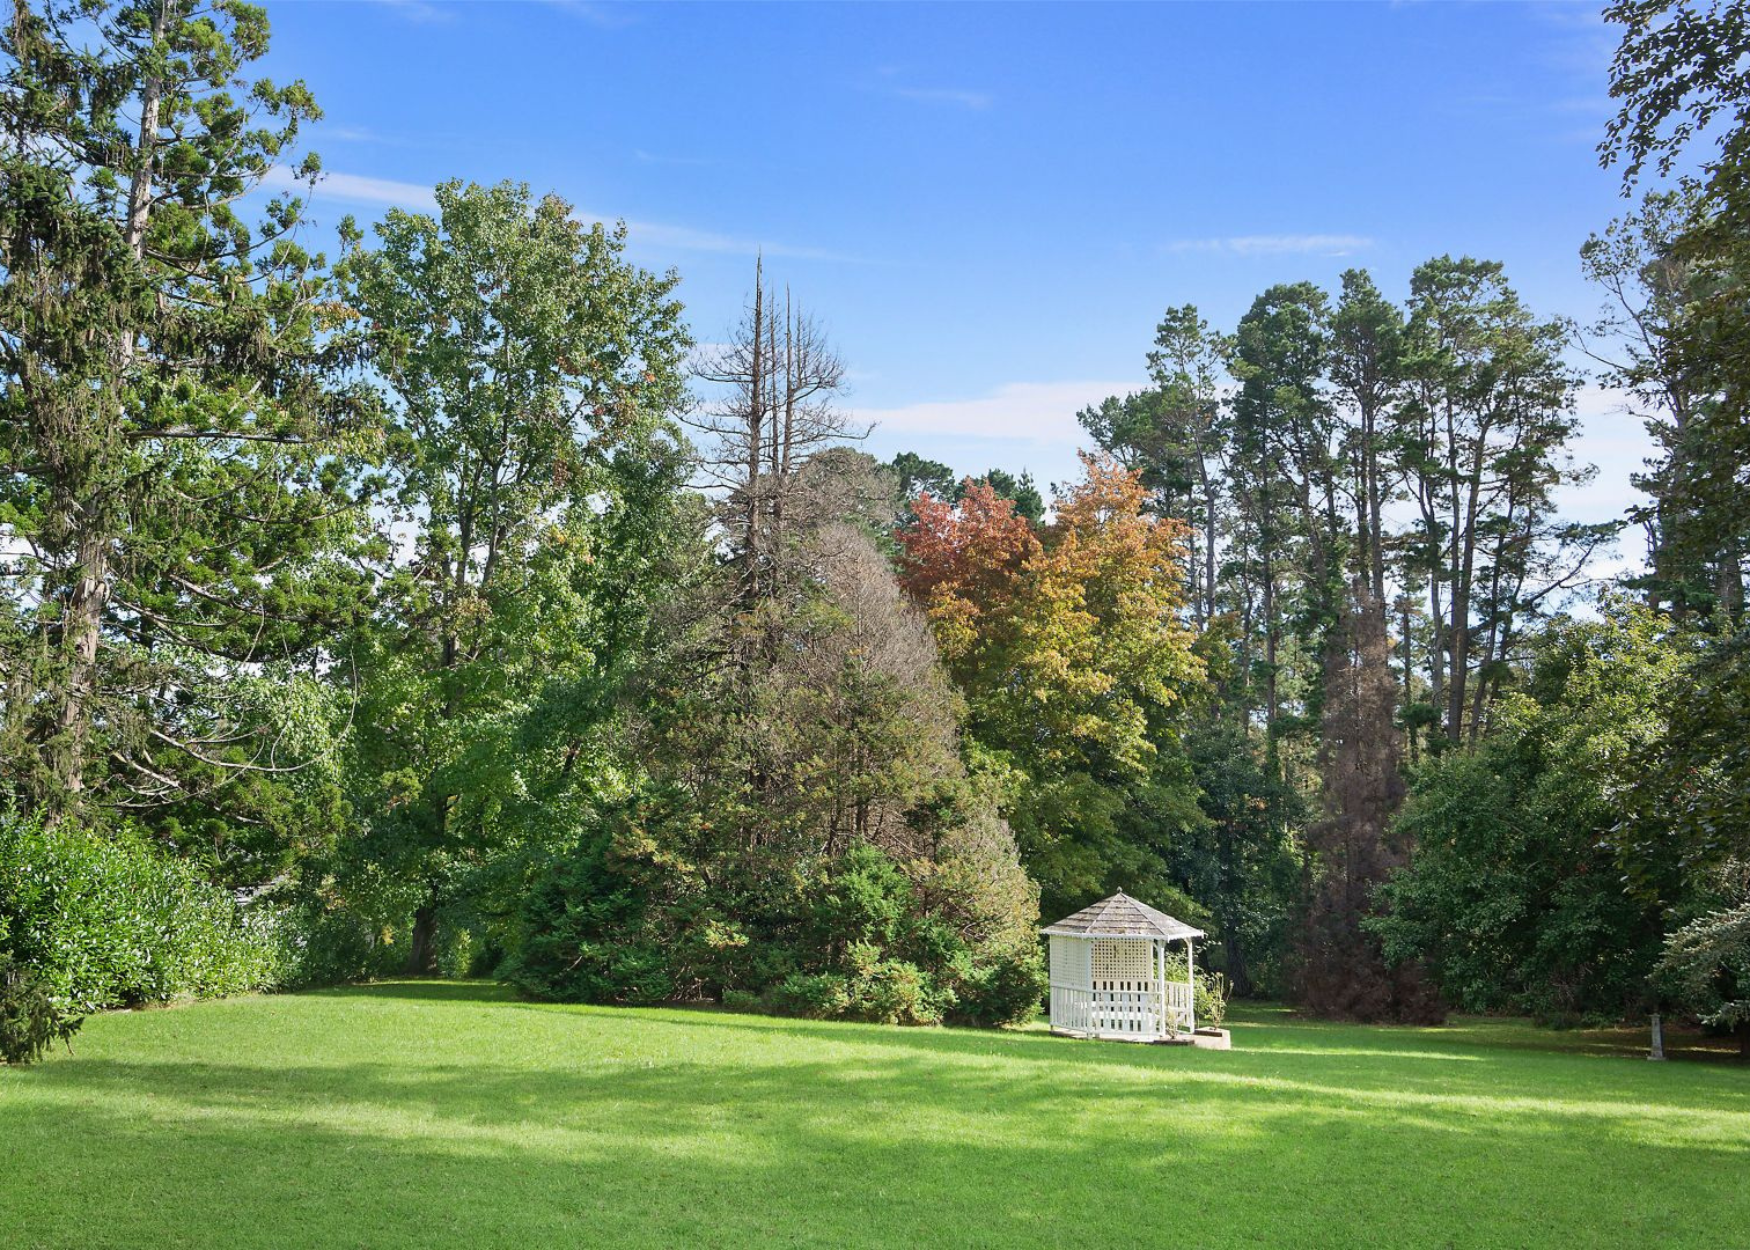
(1122, 916)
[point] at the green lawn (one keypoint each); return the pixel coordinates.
(426, 1113)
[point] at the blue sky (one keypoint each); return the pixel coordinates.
(990, 205)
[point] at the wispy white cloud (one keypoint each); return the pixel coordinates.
(688, 239)
(1043, 412)
(360, 189)
(356, 189)
(1613, 439)
(420, 11)
(1276, 244)
(607, 16)
(1582, 42)
(1560, 90)
(977, 101)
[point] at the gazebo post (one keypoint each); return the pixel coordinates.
(1190, 986)
(1161, 980)
(1154, 972)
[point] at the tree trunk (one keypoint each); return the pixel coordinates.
(755, 427)
(1270, 638)
(1376, 546)
(422, 950)
(1436, 646)
(140, 190)
(1464, 547)
(1238, 975)
(1731, 586)
(82, 628)
(1409, 691)
(83, 624)
(1209, 522)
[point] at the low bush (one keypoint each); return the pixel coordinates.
(1002, 989)
(1209, 992)
(870, 987)
(30, 1022)
(109, 921)
(582, 937)
(814, 995)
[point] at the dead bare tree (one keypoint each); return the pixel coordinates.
(779, 378)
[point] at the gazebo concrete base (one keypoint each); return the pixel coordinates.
(1138, 1039)
(1207, 1039)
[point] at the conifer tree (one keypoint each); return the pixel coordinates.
(180, 469)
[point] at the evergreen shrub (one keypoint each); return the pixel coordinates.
(30, 1022)
(111, 921)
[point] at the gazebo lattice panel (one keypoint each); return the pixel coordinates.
(1120, 965)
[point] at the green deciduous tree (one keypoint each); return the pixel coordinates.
(1706, 963)
(1517, 891)
(532, 375)
(1680, 77)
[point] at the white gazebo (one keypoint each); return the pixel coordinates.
(1108, 973)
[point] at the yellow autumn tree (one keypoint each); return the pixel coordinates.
(1103, 655)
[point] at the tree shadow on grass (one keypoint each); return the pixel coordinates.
(423, 989)
(1357, 1063)
(1257, 1028)
(1354, 1062)
(1496, 1033)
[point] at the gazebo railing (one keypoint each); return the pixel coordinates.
(1072, 1008)
(1179, 1004)
(1122, 1008)
(1127, 1007)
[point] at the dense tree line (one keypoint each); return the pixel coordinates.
(437, 608)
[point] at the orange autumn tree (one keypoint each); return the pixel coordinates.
(962, 563)
(1076, 663)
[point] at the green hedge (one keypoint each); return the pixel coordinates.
(110, 921)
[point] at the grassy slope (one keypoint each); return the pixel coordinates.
(424, 1114)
